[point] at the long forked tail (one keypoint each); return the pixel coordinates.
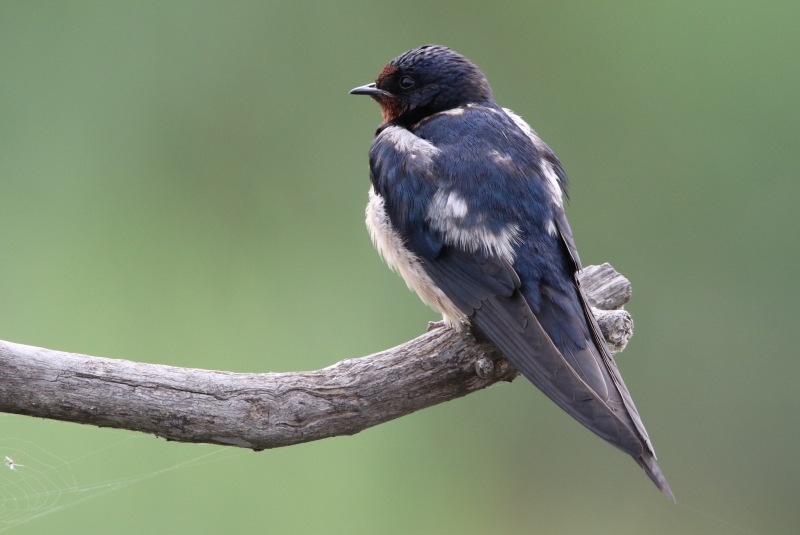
(648, 464)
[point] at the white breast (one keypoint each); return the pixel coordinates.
(391, 247)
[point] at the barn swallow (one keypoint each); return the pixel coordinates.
(467, 205)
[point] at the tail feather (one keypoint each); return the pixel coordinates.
(648, 464)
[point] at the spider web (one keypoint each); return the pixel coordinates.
(57, 465)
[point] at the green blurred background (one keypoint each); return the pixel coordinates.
(184, 183)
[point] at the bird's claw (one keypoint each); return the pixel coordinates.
(432, 325)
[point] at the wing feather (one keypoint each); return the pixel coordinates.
(507, 320)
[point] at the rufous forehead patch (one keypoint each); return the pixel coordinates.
(385, 73)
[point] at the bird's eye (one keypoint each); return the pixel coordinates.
(406, 82)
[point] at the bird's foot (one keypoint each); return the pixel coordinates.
(432, 325)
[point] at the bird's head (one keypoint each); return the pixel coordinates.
(424, 81)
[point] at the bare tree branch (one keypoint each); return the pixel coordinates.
(269, 410)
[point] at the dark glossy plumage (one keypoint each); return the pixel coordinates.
(475, 198)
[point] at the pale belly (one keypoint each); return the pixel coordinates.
(394, 252)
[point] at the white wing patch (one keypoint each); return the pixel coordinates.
(455, 112)
(553, 183)
(501, 159)
(448, 206)
(447, 214)
(550, 227)
(391, 247)
(551, 178)
(419, 151)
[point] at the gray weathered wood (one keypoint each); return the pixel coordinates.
(605, 288)
(617, 327)
(267, 410)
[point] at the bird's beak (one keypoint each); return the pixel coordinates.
(369, 89)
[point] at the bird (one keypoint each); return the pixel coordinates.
(467, 204)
